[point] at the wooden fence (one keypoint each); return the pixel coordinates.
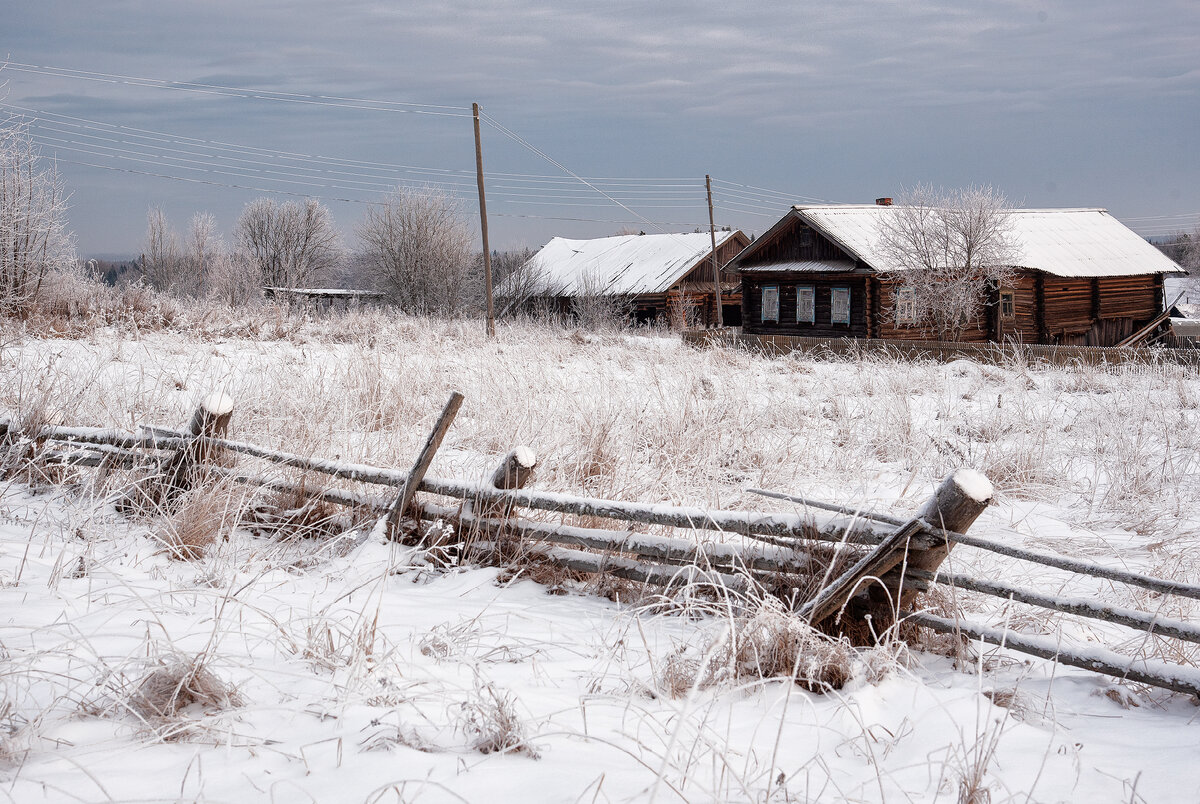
(885, 562)
(944, 351)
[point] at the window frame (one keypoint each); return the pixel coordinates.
(762, 313)
(811, 290)
(833, 318)
(1008, 299)
(906, 306)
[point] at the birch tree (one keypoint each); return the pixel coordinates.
(34, 239)
(948, 250)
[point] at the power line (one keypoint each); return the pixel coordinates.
(365, 104)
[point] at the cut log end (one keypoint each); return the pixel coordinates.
(217, 403)
(515, 469)
(958, 501)
(975, 485)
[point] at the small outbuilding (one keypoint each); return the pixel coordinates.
(1081, 278)
(662, 277)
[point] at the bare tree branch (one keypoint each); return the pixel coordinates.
(947, 250)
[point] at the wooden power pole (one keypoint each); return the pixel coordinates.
(712, 233)
(487, 253)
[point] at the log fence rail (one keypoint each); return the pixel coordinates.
(893, 559)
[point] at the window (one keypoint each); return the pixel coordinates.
(839, 304)
(906, 306)
(806, 305)
(1007, 308)
(770, 303)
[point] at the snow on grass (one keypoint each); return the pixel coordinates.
(347, 670)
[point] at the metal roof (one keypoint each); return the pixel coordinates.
(1060, 242)
(622, 265)
(806, 267)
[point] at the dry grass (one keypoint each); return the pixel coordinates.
(489, 720)
(200, 519)
(773, 643)
(176, 694)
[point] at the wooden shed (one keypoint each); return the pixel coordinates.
(661, 275)
(1081, 278)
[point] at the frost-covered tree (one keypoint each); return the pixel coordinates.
(291, 243)
(418, 247)
(162, 262)
(34, 239)
(949, 250)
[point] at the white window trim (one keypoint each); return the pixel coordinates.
(906, 306)
(812, 311)
(833, 317)
(763, 313)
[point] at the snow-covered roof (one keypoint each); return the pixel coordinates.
(1061, 242)
(807, 267)
(626, 264)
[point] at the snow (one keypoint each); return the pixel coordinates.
(411, 651)
(1059, 242)
(625, 264)
(974, 484)
(361, 666)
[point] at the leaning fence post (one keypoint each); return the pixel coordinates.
(404, 499)
(956, 504)
(919, 543)
(209, 420)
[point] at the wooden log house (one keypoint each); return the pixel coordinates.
(662, 275)
(1082, 279)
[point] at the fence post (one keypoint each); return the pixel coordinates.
(956, 504)
(209, 420)
(513, 472)
(417, 474)
(919, 544)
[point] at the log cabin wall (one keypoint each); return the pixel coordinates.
(1098, 311)
(695, 289)
(887, 326)
(822, 285)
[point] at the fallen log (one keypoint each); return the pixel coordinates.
(1150, 583)
(747, 523)
(629, 569)
(1098, 660)
(956, 503)
(869, 529)
(1131, 618)
(723, 556)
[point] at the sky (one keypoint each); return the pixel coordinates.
(603, 117)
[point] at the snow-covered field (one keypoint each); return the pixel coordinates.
(349, 670)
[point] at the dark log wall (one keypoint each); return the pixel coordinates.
(823, 285)
(702, 272)
(1023, 325)
(795, 243)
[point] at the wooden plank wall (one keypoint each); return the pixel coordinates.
(787, 324)
(795, 243)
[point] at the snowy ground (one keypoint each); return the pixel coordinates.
(348, 671)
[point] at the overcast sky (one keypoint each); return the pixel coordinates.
(1055, 103)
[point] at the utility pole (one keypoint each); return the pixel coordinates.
(487, 254)
(712, 233)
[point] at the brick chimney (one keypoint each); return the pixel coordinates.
(883, 202)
